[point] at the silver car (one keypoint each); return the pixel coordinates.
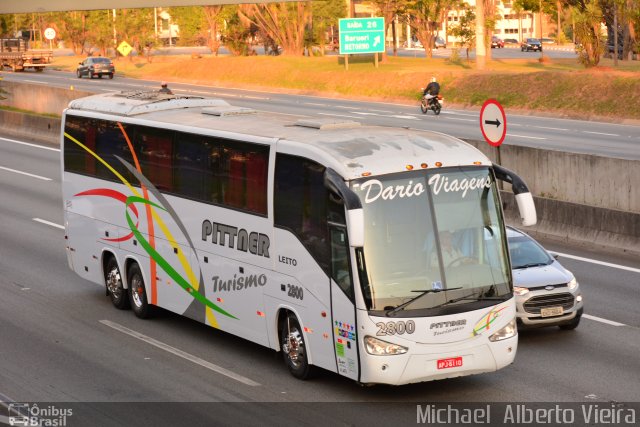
(547, 294)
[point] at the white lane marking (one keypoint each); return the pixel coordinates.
(364, 113)
(600, 133)
(601, 320)
(52, 224)
(339, 115)
(346, 107)
(381, 111)
(26, 173)
(523, 136)
(462, 120)
(404, 117)
(15, 141)
(180, 353)
(547, 127)
(595, 261)
(255, 97)
(315, 103)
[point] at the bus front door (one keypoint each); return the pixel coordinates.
(342, 305)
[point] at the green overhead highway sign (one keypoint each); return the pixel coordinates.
(361, 35)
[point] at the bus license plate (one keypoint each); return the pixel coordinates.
(551, 311)
(451, 362)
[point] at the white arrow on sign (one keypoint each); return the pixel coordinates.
(376, 41)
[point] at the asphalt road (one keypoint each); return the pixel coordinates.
(543, 130)
(62, 341)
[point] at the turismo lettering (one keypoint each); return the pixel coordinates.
(234, 237)
(238, 283)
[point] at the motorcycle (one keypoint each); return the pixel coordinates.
(434, 104)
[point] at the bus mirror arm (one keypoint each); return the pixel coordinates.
(355, 217)
(523, 196)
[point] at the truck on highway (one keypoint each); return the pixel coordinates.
(16, 54)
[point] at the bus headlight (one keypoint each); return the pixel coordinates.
(507, 332)
(382, 348)
(572, 283)
(520, 291)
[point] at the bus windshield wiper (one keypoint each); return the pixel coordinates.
(470, 297)
(533, 264)
(423, 292)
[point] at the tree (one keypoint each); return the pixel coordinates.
(465, 30)
(425, 18)
(101, 34)
(283, 22)
(325, 17)
(136, 26)
(588, 17)
(389, 9)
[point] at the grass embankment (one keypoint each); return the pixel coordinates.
(560, 87)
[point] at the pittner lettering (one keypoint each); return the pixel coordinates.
(233, 237)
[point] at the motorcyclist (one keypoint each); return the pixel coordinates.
(432, 90)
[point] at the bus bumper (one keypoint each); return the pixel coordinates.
(423, 362)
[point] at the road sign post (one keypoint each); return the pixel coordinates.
(50, 34)
(361, 35)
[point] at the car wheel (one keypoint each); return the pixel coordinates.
(79, 74)
(573, 324)
(110, 75)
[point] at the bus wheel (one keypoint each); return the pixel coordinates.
(113, 281)
(294, 349)
(137, 293)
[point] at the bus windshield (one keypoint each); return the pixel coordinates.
(434, 242)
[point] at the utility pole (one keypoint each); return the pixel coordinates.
(540, 18)
(481, 47)
(615, 34)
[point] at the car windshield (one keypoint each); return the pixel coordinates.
(101, 60)
(525, 252)
(434, 242)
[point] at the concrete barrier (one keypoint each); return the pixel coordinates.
(589, 226)
(39, 98)
(35, 127)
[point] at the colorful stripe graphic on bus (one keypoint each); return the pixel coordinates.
(484, 324)
(190, 284)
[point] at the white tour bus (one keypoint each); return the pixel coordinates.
(377, 253)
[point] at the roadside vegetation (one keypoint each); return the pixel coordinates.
(556, 87)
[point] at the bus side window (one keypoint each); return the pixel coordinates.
(156, 153)
(300, 204)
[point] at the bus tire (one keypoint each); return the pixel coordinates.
(137, 293)
(294, 348)
(115, 288)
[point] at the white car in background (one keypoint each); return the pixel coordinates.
(547, 294)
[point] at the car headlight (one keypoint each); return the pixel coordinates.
(520, 291)
(382, 348)
(573, 283)
(508, 331)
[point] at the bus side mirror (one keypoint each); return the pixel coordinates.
(523, 196)
(527, 209)
(355, 227)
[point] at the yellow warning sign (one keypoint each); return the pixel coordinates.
(124, 48)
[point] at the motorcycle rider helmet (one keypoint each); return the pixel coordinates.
(433, 79)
